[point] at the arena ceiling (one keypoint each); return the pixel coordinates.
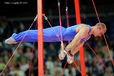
(28, 7)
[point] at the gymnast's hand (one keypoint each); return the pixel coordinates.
(62, 53)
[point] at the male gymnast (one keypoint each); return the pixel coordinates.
(77, 34)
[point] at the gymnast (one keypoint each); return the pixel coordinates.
(77, 34)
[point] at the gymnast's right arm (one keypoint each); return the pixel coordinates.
(75, 42)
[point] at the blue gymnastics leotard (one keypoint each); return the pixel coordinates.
(49, 35)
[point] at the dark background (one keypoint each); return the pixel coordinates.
(29, 9)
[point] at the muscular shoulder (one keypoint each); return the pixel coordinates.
(83, 27)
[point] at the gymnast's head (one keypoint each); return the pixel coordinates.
(99, 30)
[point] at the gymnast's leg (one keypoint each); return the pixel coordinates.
(26, 36)
(32, 36)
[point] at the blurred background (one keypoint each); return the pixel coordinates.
(17, 15)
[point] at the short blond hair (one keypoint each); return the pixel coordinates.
(102, 25)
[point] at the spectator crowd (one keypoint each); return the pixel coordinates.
(20, 63)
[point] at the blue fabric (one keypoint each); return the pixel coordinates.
(70, 33)
(48, 34)
(32, 35)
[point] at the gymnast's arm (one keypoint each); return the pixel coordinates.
(76, 41)
(76, 48)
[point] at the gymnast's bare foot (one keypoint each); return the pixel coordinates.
(10, 41)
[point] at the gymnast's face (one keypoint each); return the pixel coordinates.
(99, 31)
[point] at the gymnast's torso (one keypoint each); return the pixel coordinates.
(71, 32)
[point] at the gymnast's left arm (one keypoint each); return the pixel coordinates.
(76, 48)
